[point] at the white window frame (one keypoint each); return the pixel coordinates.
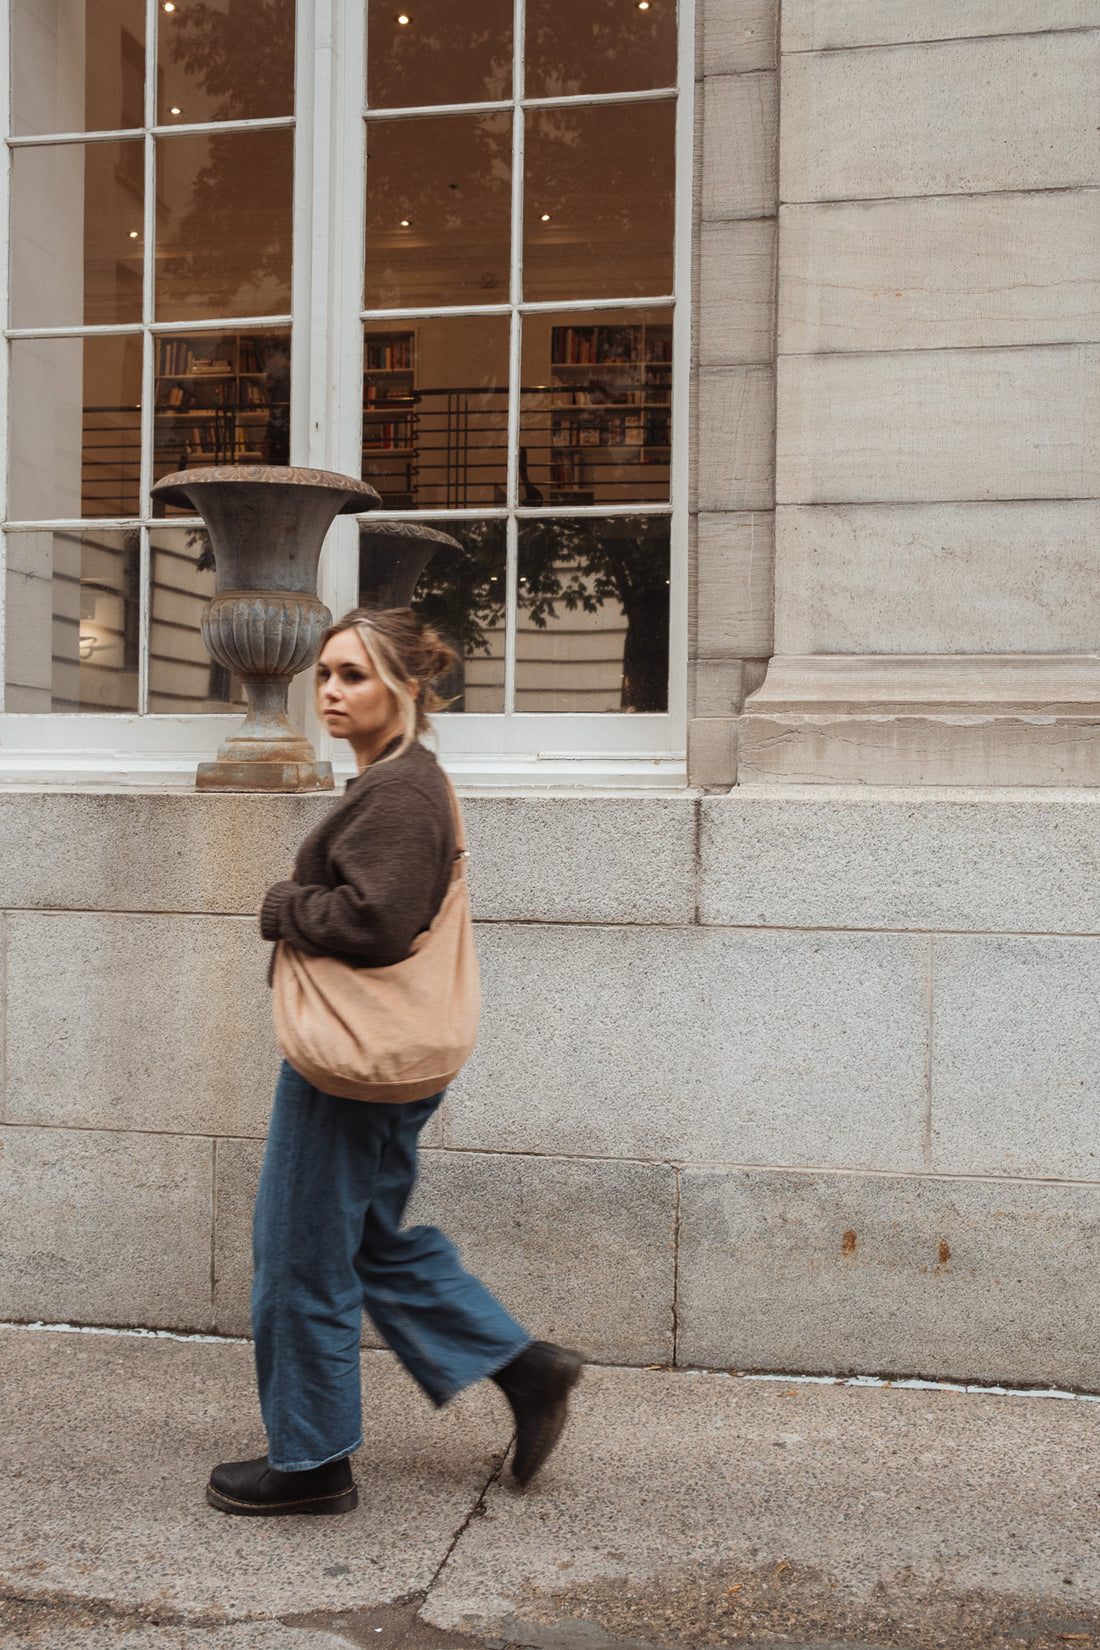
(152, 748)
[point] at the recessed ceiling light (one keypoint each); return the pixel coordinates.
(404, 223)
(403, 18)
(175, 111)
(545, 218)
(133, 234)
(168, 5)
(643, 5)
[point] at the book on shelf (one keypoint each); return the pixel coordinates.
(387, 396)
(588, 346)
(205, 357)
(383, 436)
(388, 354)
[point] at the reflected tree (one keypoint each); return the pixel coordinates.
(571, 566)
(239, 55)
(582, 566)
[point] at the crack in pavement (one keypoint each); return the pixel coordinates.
(476, 1511)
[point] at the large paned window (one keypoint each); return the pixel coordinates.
(442, 254)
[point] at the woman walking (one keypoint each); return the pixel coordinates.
(337, 1173)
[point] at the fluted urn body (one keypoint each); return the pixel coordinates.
(266, 525)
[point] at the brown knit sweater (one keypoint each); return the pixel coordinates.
(373, 874)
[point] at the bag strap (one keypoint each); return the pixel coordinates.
(462, 853)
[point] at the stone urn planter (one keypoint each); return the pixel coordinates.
(392, 556)
(266, 525)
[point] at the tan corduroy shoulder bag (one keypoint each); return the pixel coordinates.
(391, 1034)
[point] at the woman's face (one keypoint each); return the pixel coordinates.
(354, 701)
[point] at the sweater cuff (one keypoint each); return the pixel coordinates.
(271, 911)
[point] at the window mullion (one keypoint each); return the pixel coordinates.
(5, 347)
(679, 472)
(515, 360)
(149, 349)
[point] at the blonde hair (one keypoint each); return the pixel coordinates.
(405, 653)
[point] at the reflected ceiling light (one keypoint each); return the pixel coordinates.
(168, 5)
(176, 111)
(643, 5)
(404, 223)
(133, 234)
(403, 17)
(545, 218)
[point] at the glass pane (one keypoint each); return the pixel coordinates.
(599, 46)
(77, 234)
(435, 412)
(592, 625)
(438, 210)
(225, 60)
(77, 65)
(438, 51)
(595, 410)
(222, 398)
(464, 600)
(224, 224)
(182, 675)
(76, 435)
(72, 621)
(598, 193)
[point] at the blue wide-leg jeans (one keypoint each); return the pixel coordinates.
(327, 1242)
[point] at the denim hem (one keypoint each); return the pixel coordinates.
(308, 1466)
(493, 1366)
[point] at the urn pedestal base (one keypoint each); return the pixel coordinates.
(264, 776)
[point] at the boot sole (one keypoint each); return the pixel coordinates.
(564, 1379)
(316, 1506)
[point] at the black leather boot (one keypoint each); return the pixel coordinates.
(261, 1491)
(537, 1385)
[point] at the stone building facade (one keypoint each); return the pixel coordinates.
(793, 1065)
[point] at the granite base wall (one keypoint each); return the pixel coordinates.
(804, 1082)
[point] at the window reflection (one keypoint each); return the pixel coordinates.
(438, 210)
(78, 234)
(76, 444)
(592, 620)
(438, 51)
(182, 675)
(80, 65)
(598, 188)
(225, 60)
(599, 46)
(72, 621)
(223, 230)
(221, 398)
(435, 412)
(595, 411)
(464, 600)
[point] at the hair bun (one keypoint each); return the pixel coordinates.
(442, 658)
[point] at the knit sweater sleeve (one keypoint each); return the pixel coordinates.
(384, 869)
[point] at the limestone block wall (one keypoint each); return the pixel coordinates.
(938, 396)
(800, 1079)
(733, 374)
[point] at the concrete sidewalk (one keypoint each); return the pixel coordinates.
(681, 1508)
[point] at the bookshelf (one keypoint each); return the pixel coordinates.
(611, 409)
(390, 419)
(222, 398)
